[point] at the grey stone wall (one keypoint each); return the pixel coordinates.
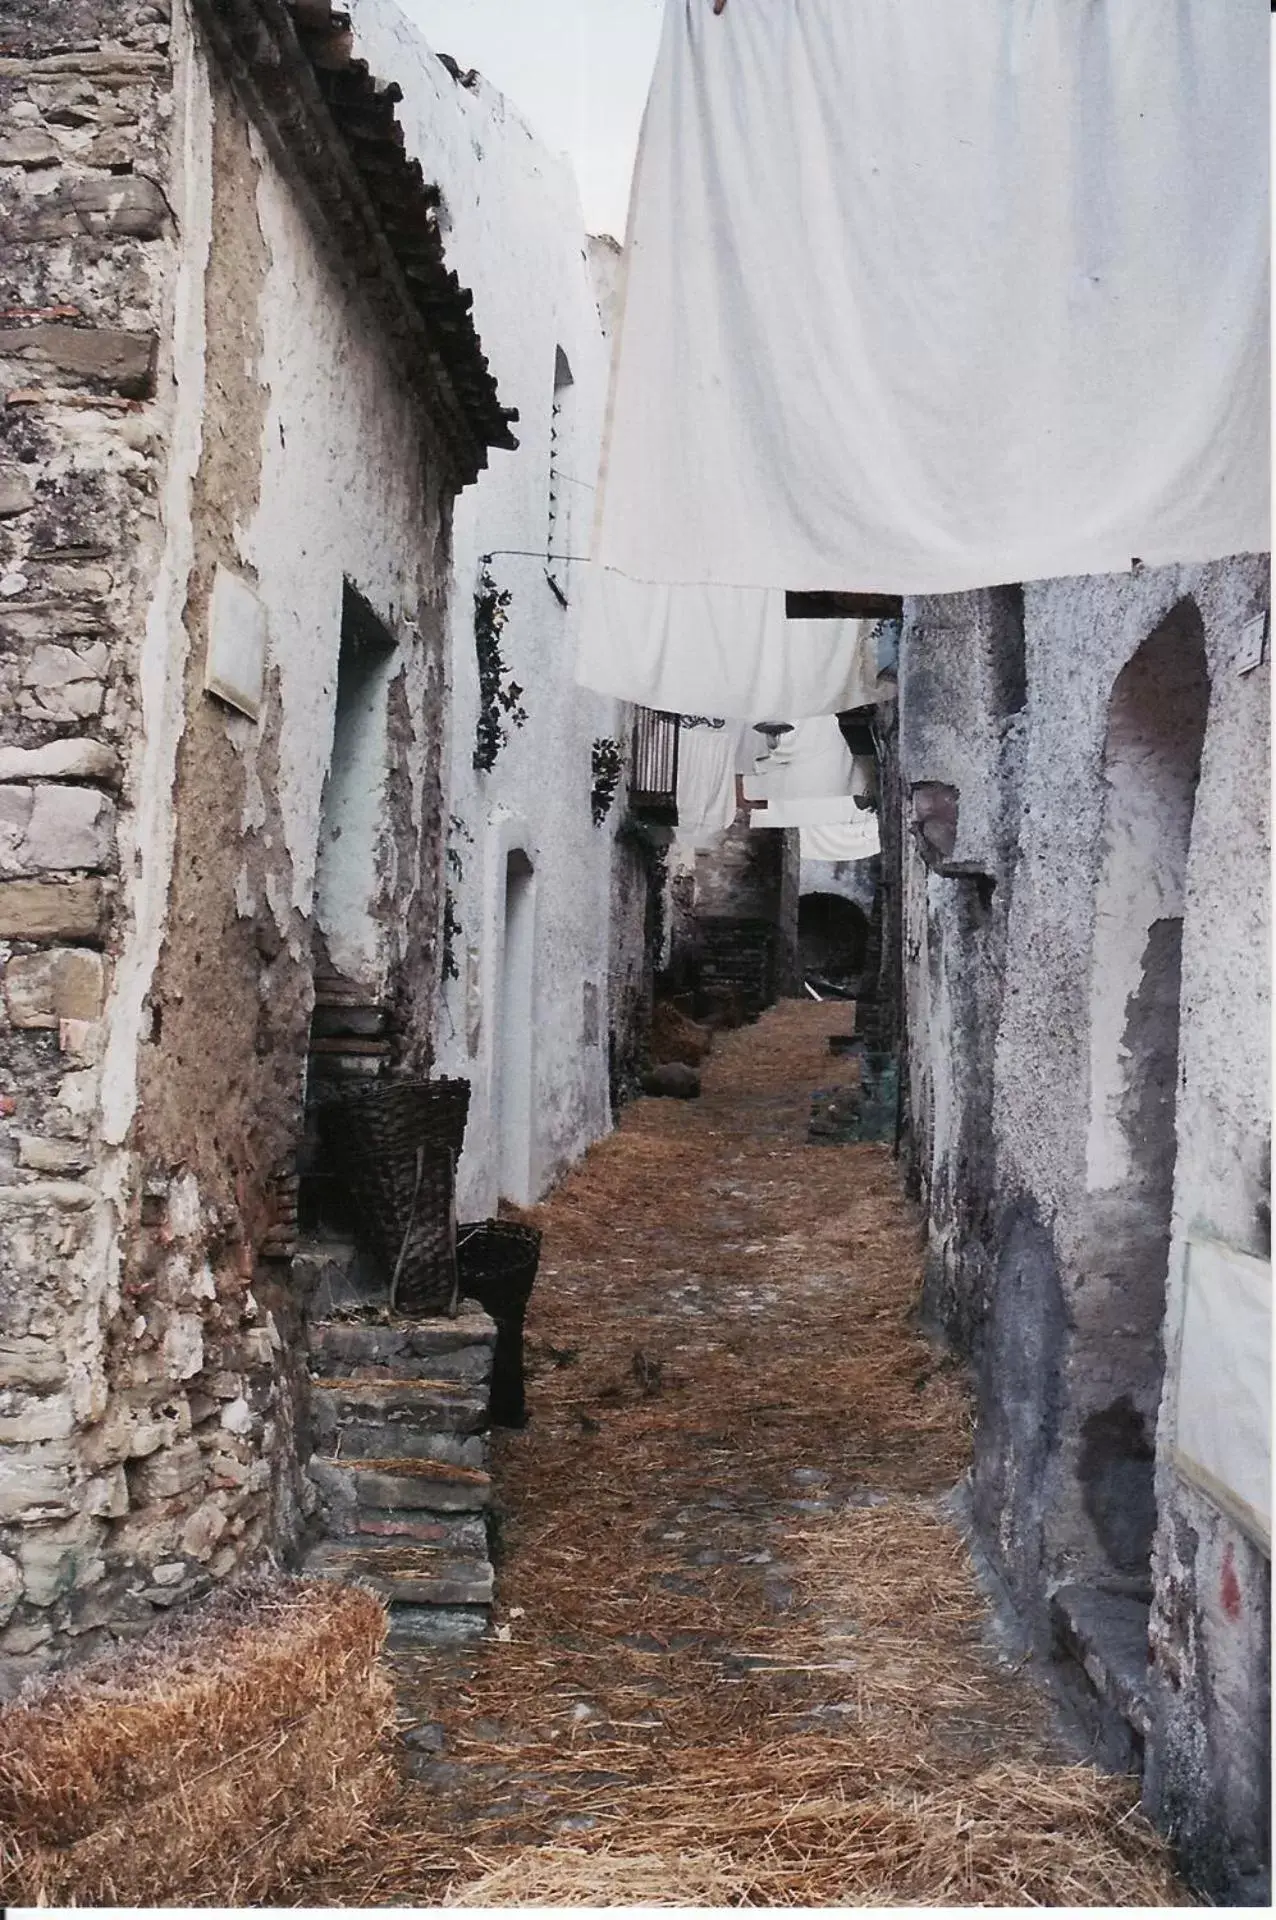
(1084, 958)
(157, 851)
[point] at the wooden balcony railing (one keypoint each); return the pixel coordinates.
(653, 783)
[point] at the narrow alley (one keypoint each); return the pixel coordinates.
(741, 1656)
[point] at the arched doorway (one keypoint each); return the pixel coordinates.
(1152, 759)
(832, 938)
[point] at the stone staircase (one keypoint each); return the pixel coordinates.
(398, 1410)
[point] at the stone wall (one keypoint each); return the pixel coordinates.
(735, 914)
(198, 391)
(1083, 776)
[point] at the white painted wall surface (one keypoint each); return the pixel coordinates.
(515, 235)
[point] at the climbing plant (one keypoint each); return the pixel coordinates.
(607, 769)
(500, 697)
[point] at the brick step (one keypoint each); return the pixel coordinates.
(401, 1486)
(410, 1575)
(439, 1349)
(396, 1407)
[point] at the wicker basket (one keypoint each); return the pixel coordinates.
(395, 1144)
(497, 1262)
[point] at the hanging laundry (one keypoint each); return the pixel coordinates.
(925, 295)
(857, 839)
(707, 754)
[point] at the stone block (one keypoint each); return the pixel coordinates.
(29, 147)
(341, 1345)
(106, 1495)
(436, 1626)
(60, 683)
(182, 1348)
(54, 829)
(28, 1361)
(55, 1564)
(432, 1486)
(52, 909)
(17, 495)
(26, 1419)
(163, 1475)
(203, 1531)
(10, 1588)
(60, 759)
(122, 361)
(127, 206)
(404, 1575)
(24, 1638)
(397, 1405)
(42, 1197)
(52, 1156)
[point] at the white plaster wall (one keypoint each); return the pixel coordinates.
(341, 495)
(515, 235)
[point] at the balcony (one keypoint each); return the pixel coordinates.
(653, 779)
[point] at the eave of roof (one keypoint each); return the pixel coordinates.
(335, 127)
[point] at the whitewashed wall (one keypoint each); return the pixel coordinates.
(514, 234)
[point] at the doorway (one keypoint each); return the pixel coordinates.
(514, 1033)
(1152, 760)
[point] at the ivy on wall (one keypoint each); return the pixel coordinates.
(607, 766)
(451, 924)
(500, 697)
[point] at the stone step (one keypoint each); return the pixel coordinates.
(409, 1575)
(401, 1486)
(439, 1349)
(370, 1440)
(328, 1276)
(458, 1536)
(436, 1626)
(395, 1407)
(1101, 1663)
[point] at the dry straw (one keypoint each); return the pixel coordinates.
(721, 1305)
(210, 1764)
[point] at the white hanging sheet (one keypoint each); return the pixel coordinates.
(925, 295)
(858, 840)
(706, 782)
(812, 762)
(719, 649)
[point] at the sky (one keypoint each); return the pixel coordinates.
(577, 70)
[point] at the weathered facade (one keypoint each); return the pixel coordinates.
(524, 1014)
(242, 393)
(1083, 769)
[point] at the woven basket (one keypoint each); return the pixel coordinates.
(402, 1115)
(395, 1144)
(497, 1262)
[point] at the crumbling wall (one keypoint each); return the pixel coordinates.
(158, 1000)
(1038, 1257)
(960, 734)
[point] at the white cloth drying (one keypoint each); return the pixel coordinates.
(719, 649)
(706, 782)
(925, 295)
(857, 840)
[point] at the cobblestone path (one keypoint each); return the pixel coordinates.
(740, 1653)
